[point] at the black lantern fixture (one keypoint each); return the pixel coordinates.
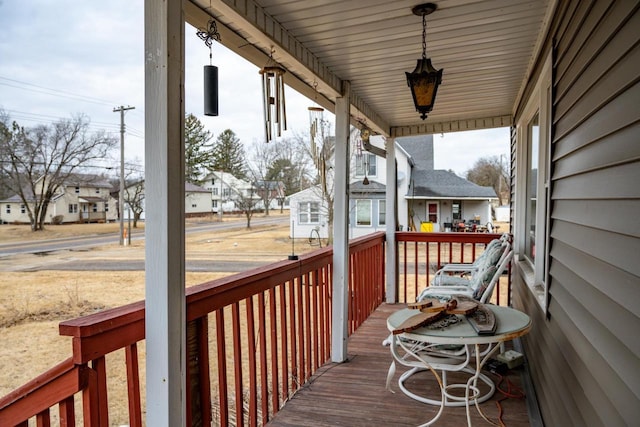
(425, 79)
(210, 71)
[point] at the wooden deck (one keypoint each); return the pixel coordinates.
(353, 393)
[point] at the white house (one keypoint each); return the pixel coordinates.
(80, 198)
(224, 190)
(428, 199)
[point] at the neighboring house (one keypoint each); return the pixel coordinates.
(273, 191)
(225, 189)
(428, 199)
(437, 198)
(308, 212)
(197, 200)
(80, 198)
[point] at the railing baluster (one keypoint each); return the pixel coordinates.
(67, 412)
(293, 333)
(307, 321)
(275, 403)
(300, 319)
(237, 364)
(262, 339)
(133, 385)
(253, 381)
(284, 344)
(43, 419)
(223, 397)
(100, 366)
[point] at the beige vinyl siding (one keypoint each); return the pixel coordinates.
(584, 354)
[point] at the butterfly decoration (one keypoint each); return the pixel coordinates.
(210, 34)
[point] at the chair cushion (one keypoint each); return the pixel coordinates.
(482, 281)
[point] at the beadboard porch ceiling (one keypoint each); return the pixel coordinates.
(486, 48)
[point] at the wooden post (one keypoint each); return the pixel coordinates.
(340, 318)
(164, 199)
(391, 213)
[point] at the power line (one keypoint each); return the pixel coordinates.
(54, 92)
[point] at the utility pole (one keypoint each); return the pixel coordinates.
(121, 110)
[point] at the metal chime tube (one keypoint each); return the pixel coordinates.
(284, 107)
(265, 99)
(210, 90)
(276, 89)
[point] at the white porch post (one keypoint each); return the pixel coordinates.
(340, 311)
(392, 195)
(164, 193)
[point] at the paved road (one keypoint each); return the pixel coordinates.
(85, 242)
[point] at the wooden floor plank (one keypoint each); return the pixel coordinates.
(353, 393)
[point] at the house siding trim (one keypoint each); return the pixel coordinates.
(583, 353)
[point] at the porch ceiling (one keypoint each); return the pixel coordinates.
(486, 48)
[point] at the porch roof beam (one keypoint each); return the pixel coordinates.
(256, 33)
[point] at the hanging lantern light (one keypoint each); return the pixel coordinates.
(275, 115)
(210, 71)
(425, 79)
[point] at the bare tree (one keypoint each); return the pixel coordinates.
(321, 150)
(37, 161)
(246, 201)
(490, 172)
(264, 156)
(134, 198)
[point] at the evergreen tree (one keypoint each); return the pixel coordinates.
(228, 155)
(198, 152)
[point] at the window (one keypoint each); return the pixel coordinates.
(94, 207)
(432, 212)
(382, 212)
(531, 213)
(194, 205)
(366, 162)
(73, 208)
(97, 191)
(456, 210)
(23, 209)
(214, 203)
(77, 190)
(226, 192)
(215, 191)
(8, 209)
(363, 213)
(308, 212)
(106, 206)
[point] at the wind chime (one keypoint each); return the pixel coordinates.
(364, 140)
(210, 71)
(361, 157)
(316, 118)
(275, 115)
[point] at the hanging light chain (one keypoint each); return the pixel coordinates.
(424, 36)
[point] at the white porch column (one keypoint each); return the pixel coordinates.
(164, 206)
(340, 310)
(392, 203)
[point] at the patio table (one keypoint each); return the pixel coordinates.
(454, 347)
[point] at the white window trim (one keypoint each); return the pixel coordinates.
(370, 213)
(535, 275)
(381, 201)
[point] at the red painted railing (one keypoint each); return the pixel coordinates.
(420, 255)
(252, 340)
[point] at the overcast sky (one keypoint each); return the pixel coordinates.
(66, 57)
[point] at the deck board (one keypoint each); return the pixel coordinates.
(353, 393)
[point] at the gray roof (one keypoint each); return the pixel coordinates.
(192, 188)
(372, 187)
(420, 148)
(441, 183)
